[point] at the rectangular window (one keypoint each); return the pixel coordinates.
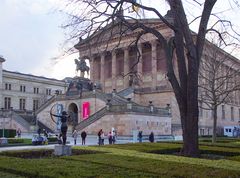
(7, 103)
(200, 109)
(108, 66)
(201, 132)
(132, 60)
(146, 58)
(22, 104)
(161, 62)
(35, 90)
(120, 64)
(35, 105)
(48, 91)
(232, 113)
(223, 112)
(22, 88)
(8, 86)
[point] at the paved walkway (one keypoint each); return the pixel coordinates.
(90, 140)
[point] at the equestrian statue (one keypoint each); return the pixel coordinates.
(82, 66)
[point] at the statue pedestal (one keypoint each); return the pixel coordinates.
(61, 150)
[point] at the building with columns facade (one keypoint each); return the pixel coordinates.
(131, 91)
(116, 63)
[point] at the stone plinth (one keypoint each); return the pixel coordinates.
(3, 141)
(61, 150)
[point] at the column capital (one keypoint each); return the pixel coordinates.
(103, 54)
(153, 42)
(114, 51)
(139, 45)
(125, 48)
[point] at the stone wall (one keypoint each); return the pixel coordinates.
(125, 124)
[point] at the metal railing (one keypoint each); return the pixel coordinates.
(126, 91)
(97, 115)
(125, 108)
(21, 121)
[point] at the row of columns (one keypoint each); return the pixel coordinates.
(126, 66)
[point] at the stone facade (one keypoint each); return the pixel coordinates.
(125, 124)
(112, 60)
(18, 86)
(25, 93)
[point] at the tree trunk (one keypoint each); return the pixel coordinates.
(190, 131)
(214, 135)
(189, 121)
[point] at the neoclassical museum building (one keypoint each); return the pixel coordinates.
(127, 92)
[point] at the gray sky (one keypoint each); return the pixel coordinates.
(31, 36)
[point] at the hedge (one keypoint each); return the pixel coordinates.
(8, 133)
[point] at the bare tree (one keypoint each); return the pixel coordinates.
(98, 17)
(219, 80)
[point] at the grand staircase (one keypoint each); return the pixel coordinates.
(93, 118)
(115, 103)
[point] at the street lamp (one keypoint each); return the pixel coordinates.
(3, 124)
(168, 107)
(151, 107)
(108, 104)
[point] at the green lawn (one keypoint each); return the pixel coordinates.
(128, 160)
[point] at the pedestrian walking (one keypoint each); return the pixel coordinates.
(110, 140)
(140, 136)
(114, 136)
(19, 132)
(83, 136)
(45, 133)
(102, 138)
(75, 134)
(39, 131)
(151, 137)
(99, 137)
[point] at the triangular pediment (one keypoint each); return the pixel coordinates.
(116, 33)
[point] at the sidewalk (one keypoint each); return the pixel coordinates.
(90, 140)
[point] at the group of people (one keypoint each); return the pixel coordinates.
(151, 137)
(83, 136)
(111, 137)
(44, 132)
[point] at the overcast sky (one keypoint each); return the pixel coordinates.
(31, 36)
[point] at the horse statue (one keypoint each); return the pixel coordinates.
(82, 66)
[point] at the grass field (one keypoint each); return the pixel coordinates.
(128, 160)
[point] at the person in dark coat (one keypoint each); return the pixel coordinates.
(151, 137)
(83, 136)
(140, 136)
(110, 138)
(39, 132)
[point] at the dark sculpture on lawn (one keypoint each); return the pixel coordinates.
(64, 118)
(82, 66)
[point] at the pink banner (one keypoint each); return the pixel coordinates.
(85, 110)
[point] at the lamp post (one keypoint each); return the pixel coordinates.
(151, 107)
(129, 104)
(168, 107)
(3, 124)
(108, 104)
